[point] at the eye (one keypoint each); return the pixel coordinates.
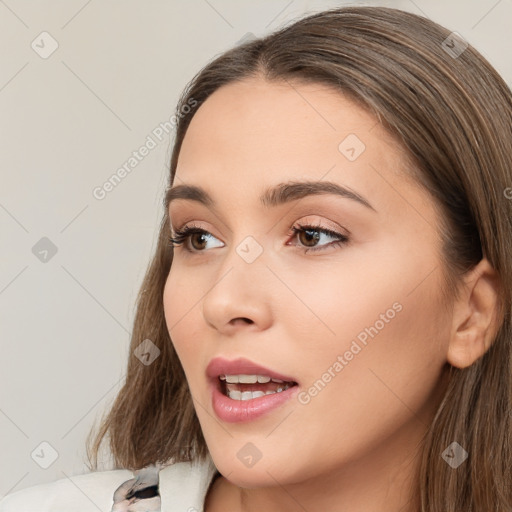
(191, 234)
(310, 235)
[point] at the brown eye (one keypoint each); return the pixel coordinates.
(309, 237)
(186, 234)
(201, 240)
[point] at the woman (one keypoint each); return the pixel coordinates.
(326, 319)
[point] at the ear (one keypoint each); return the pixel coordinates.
(475, 316)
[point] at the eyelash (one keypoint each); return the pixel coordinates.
(183, 235)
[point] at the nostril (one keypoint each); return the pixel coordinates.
(242, 319)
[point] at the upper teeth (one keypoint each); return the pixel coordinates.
(248, 379)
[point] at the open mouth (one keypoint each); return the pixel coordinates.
(248, 387)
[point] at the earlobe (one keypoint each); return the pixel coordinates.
(475, 316)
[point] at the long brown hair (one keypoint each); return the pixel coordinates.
(452, 114)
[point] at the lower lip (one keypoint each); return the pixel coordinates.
(235, 411)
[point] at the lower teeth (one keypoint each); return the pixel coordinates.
(249, 395)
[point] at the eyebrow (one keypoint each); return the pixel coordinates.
(272, 197)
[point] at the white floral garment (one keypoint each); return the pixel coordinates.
(139, 494)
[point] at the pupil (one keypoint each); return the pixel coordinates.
(315, 236)
(199, 235)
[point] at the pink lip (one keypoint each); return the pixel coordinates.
(244, 410)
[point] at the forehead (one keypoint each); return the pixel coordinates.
(252, 134)
(279, 113)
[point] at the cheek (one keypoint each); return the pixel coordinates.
(181, 308)
(338, 302)
(378, 310)
(378, 355)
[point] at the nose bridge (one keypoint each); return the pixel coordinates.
(248, 249)
(241, 288)
(248, 257)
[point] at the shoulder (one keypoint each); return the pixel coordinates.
(88, 492)
(182, 484)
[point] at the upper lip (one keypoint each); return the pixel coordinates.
(241, 366)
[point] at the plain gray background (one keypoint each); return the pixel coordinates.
(69, 120)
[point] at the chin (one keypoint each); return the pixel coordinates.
(251, 478)
(265, 472)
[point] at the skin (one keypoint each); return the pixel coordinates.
(355, 445)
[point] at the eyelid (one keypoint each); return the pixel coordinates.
(184, 215)
(184, 225)
(303, 220)
(322, 223)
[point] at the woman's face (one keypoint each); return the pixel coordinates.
(353, 316)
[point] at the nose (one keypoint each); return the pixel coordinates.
(240, 296)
